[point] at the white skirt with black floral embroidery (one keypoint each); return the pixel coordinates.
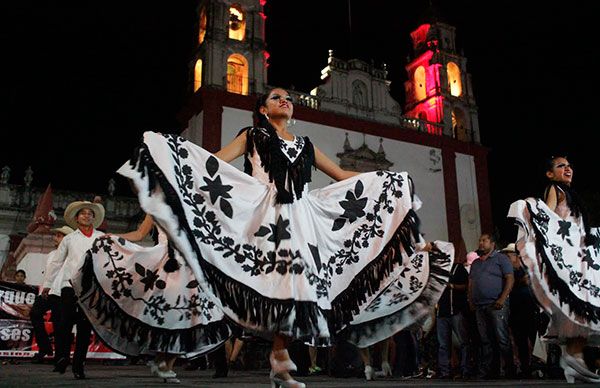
(564, 272)
(144, 300)
(339, 260)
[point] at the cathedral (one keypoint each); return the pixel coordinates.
(351, 114)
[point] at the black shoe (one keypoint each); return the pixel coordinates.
(38, 358)
(79, 375)
(196, 364)
(221, 372)
(236, 365)
(61, 365)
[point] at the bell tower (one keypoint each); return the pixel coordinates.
(439, 89)
(230, 52)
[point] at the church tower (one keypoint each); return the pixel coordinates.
(439, 89)
(230, 53)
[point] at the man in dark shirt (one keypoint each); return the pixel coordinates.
(490, 282)
(451, 318)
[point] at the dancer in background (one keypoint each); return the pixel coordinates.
(45, 301)
(146, 301)
(560, 251)
(84, 217)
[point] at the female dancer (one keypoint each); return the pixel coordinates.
(145, 301)
(560, 252)
(284, 262)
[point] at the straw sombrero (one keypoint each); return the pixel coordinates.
(64, 230)
(510, 248)
(74, 208)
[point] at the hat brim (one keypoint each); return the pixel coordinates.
(63, 229)
(74, 208)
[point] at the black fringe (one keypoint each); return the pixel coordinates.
(368, 281)
(581, 308)
(284, 173)
(256, 309)
(101, 308)
(369, 333)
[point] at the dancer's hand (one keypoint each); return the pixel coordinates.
(425, 247)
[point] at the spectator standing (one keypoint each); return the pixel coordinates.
(490, 282)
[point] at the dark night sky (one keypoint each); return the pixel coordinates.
(88, 78)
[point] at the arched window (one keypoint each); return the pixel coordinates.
(198, 75)
(359, 93)
(454, 79)
(420, 85)
(237, 22)
(237, 74)
(202, 31)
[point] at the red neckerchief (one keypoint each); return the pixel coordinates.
(86, 234)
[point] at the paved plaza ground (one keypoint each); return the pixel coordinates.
(25, 374)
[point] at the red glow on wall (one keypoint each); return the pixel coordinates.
(433, 108)
(419, 35)
(422, 60)
(263, 16)
(266, 57)
(433, 79)
(263, 2)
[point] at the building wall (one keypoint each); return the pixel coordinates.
(34, 265)
(423, 163)
(194, 130)
(4, 247)
(468, 200)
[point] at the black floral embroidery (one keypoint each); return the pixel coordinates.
(395, 293)
(353, 207)
(415, 284)
(540, 220)
(277, 232)
(563, 231)
(595, 232)
(292, 150)
(156, 306)
(398, 298)
(392, 187)
(208, 231)
(215, 187)
(292, 153)
(283, 261)
(556, 251)
(149, 278)
(417, 262)
(588, 259)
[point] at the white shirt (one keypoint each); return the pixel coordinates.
(70, 255)
(52, 268)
